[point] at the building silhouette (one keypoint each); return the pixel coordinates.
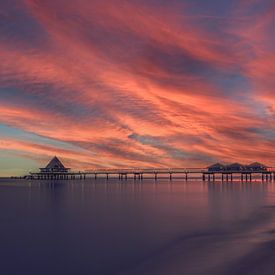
(55, 166)
(237, 167)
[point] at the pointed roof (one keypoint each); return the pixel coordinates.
(216, 165)
(235, 164)
(257, 164)
(55, 163)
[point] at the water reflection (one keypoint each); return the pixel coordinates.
(114, 227)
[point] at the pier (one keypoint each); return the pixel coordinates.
(121, 174)
(140, 174)
(55, 170)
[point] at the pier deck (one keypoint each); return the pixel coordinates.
(140, 174)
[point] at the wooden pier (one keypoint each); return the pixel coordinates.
(55, 170)
(140, 174)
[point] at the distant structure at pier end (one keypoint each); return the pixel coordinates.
(237, 167)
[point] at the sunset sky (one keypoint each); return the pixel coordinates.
(137, 83)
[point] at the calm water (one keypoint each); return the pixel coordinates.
(132, 228)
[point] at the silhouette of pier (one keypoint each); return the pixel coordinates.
(121, 174)
(55, 170)
(185, 174)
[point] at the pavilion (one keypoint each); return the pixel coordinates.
(256, 166)
(237, 167)
(54, 166)
(216, 167)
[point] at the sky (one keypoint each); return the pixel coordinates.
(137, 83)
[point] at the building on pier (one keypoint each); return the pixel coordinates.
(256, 167)
(54, 170)
(237, 167)
(54, 166)
(217, 167)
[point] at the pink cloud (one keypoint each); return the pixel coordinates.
(102, 60)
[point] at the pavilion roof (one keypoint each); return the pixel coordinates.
(216, 165)
(236, 164)
(257, 164)
(55, 163)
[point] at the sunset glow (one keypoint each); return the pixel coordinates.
(136, 83)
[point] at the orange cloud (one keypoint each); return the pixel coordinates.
(135, 84)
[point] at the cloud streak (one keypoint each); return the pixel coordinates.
(139, 83)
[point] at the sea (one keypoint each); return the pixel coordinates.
(136, 227)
